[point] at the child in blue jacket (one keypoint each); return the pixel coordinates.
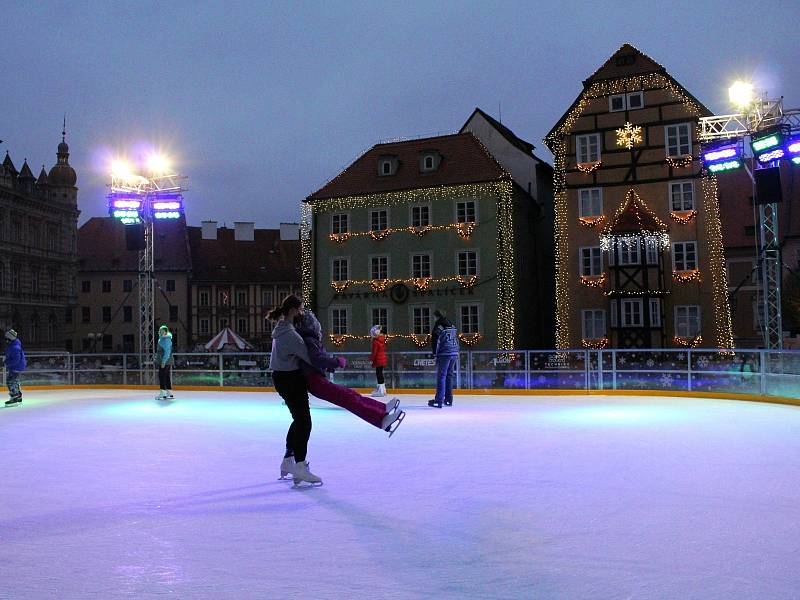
(15, 364)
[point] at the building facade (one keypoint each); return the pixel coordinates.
(639, 254)
(107, 318)
(239, 275)
(415, 226)
(38, 253)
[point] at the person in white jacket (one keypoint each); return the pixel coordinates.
(288, 349)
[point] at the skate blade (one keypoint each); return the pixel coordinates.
(307, 484)
(285, 477)
(396, 423)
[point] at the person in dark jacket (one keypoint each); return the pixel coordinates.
(15, 364)
(164, 361)
(445, 349)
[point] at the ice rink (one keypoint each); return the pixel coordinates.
(107, 494)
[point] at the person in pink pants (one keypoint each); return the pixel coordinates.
(385, 416)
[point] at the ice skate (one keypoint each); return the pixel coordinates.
(434, 403)
(380, 392)
(162, 395)
(169, 395)
(287, 467)
(392, 405)
(448, 402)
(373, 392)
(394, 420)
(303, 475)
(14, 400)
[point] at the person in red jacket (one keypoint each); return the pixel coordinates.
(378, 356)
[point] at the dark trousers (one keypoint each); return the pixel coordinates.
(12, 381)
(291, 385)
(445, 375)
(379, 374)
(165, 377)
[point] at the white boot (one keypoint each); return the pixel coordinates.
(381, 390)
(162, 394)
(169, 395)
(392, 405)
(302, 474)
(287, 467)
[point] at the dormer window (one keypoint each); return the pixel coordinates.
(387, 165)
(429, 161)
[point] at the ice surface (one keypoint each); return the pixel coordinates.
(106, 494)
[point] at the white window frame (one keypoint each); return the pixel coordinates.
(425, 167)
(656, 316)
(335, 322)
(411, 214)
(269, 301)
(334, 275)
(589, 316)
(427, 328)
(611, 99)
(430, 264)
(587, 157)
(384, 162)
(337, 230)
(456, 217)
(682, 186)
(685, 264)
(591, 198)
(388, 265)
(595, 257)
(627, 257)
(682, 322)
(477, 262)
(628, 96)
(373, 212)
(205, 326)
(373, 307)
(637, 302)
(652, 250)
(201, 295)
(479, 320)
(239, 322)
(678, 147)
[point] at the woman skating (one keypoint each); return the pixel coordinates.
(164, 361)
(378, 357)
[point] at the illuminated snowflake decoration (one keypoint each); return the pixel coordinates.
(629, 136)
(666, 380)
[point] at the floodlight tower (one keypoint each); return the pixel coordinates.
(141, 200)
(757, 116)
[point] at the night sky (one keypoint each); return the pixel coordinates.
(261, 104)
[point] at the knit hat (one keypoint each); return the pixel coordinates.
(375, 331)
(308, 320)
(11, 335)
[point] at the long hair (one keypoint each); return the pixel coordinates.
(291, 301)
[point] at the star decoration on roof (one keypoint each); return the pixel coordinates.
(629, 136)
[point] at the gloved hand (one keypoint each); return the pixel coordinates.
(342, 361)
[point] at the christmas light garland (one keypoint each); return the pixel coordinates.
(591, 221)
(594, 281)
(419, 283)
(658, 235)
(306, 251)
(464, 231)
(506, 313)
(680, 162)
(594, 343)
(684, 217)
(421, 340)
(589, 167)
(687, 276)
(688, 342)
(470, 339)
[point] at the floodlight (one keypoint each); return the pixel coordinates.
(723, 156)
(158, 164)
(768, 145)
(121, 169)
(741, 94)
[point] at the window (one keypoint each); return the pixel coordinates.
(635, 100)
(241, 325)
(679, 141)
(106, 314)
(379, 267)
(15, 278)
(684, 256)
(53, 275)
(108, 342)
(420, 216)
(467, 263)
(127, 343)
(339, 324)
(687, 321)
(127, 285)
(380, 316)
(421, 265)
(86, 314)
(86, 287)
(170, 285)
(465, 212)
(127, 314)
(173, 313)
(616, 103)
(106, 286)
(241, 298)
(594, 324)
(681, 195)
(224, 298)
(34, 280)
(52, 238)
(339, 272)
(340, 223)
(652, 251)
(421, 319)
(67, 315)
(469, 318)
(204, 326)
(628, 252)
(428, 163)
(387, 165)
(631, 312)
(590, 202)
(655, 312)
(588, 148)
(204, 298)
(50, 334)
(379, 219)
(591, 261)
(269, 299)
(282, 294)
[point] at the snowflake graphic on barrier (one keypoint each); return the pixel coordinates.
(666, 380)
(651, 363)
(702, 362)
(681, 357)
(622, 360)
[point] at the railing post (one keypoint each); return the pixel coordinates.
(763, 361)
(614, 368)
(124, 369)
(527, 369)
(586, 365)
(72, 369)
(689, 369)
(221, 377)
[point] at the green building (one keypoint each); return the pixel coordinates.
(435, 223)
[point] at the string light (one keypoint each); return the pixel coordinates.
(687, 276)
(680, 162)
(629, 135)
(505, 266)
(593, 281)
(420, 283)
(635, 293)
(464, 231)
(594, 343)
(591, 221)
(653, 232)
(306, 251)
(421, 340)
(470, 339)
(688, 342)
(590, 166)
(684, 217)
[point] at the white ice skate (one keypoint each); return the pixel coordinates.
(374, 392)
(287, 467)
(392, 405)
(393, 420)
(169, 395)
(162, 395)
(380, 392)
(303, 475)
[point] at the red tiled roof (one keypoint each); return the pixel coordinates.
(101, 246)
(265, 259)
(464, 160)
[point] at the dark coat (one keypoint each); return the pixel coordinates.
(320, 359)
(15, 357)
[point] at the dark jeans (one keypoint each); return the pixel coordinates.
(165, 377)
(12, 381)
(445, 374)
(291, 385)
(379, 374)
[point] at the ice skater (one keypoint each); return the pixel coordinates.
(445, 349)
(15, 364)
(288, 352)
(384, 416)
(165, 360)
(378, 357)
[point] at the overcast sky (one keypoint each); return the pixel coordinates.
(262, 103)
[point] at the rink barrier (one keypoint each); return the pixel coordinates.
(756, 375)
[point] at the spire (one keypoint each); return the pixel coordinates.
(42, 180)
(26, 173)
(9, 165)
(62, 174)
(64, 129)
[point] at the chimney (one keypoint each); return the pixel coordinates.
(290, 231)
(243, 231)
(209, 230)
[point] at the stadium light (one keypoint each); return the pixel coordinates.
(741, 94)
(768, 145)
(793, 150)
(723, 156)
(158, 164)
